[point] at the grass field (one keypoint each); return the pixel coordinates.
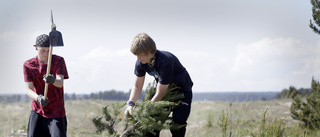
(244, 118)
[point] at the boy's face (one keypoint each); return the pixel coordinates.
(43, 53)
(143, 58)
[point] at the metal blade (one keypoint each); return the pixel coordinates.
(55, 36)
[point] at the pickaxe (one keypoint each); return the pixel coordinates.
(55, 39)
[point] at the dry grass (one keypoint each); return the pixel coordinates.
(245, 117)
(13, 117)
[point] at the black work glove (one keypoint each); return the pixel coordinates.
(43, 101)
(49, 79)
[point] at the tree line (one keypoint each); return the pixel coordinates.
(101, 95)
(293, 92)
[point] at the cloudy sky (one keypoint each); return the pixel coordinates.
(246, 45)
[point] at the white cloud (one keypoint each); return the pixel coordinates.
(206, 68)
(8, 35)
(102, 69)
(272, 63)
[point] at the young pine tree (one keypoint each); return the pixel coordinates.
(308, 112)
(147, 116)
(274, 129)
(223, 123)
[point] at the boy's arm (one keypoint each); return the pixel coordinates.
(59, 81)
(34, 96)
(161, 90)
(31, 94)
(137, 88)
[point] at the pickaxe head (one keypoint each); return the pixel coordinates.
(55, 36)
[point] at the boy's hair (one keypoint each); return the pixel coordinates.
(143, 44)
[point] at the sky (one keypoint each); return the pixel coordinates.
(225, 46)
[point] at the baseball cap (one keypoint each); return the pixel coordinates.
(42, 41)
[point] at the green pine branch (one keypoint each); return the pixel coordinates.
(147, 117)
(315, 15)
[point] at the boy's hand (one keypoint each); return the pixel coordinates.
(43, 101)
(128, 112)
(49, 79)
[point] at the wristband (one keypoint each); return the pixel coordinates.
(130, 103)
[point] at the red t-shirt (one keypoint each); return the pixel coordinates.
(34, 71)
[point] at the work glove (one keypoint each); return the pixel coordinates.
(43, 101)
(129, 110)
(49, 79)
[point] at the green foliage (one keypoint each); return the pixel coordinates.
(223, 123)
(271, 130)
(209, 121)
(292, 92)
(147, 117)
(110, 117)
(274, 129)
(152, 116)
(262, 125)
(308, 112)
(172, 94)
(315, 15)
(149, 91)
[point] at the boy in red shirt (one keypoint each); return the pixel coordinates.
(48, 116)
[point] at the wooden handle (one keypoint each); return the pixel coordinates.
(48, 71)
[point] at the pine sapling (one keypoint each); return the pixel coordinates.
(223, 123)
(209, 121)
(308, 112)
(147, 117)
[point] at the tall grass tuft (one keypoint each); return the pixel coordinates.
(209, 121)
(223, 123)
(272, 130)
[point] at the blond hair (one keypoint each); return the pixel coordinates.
(143, 44)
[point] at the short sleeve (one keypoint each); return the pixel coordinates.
(27, 73)
(61, 68)
(138, 69)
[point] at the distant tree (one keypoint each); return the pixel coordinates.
(85, 97)
(263, 99)
(289, 93)
(308, 112)
(304, 92)
(292, 92)
(66, 96)
(92, 96)
(315, 15)
(109, 95)
(73, 96)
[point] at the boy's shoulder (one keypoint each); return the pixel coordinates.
(165, 56)
(56, 56)
(31, 61)
(162, 53)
